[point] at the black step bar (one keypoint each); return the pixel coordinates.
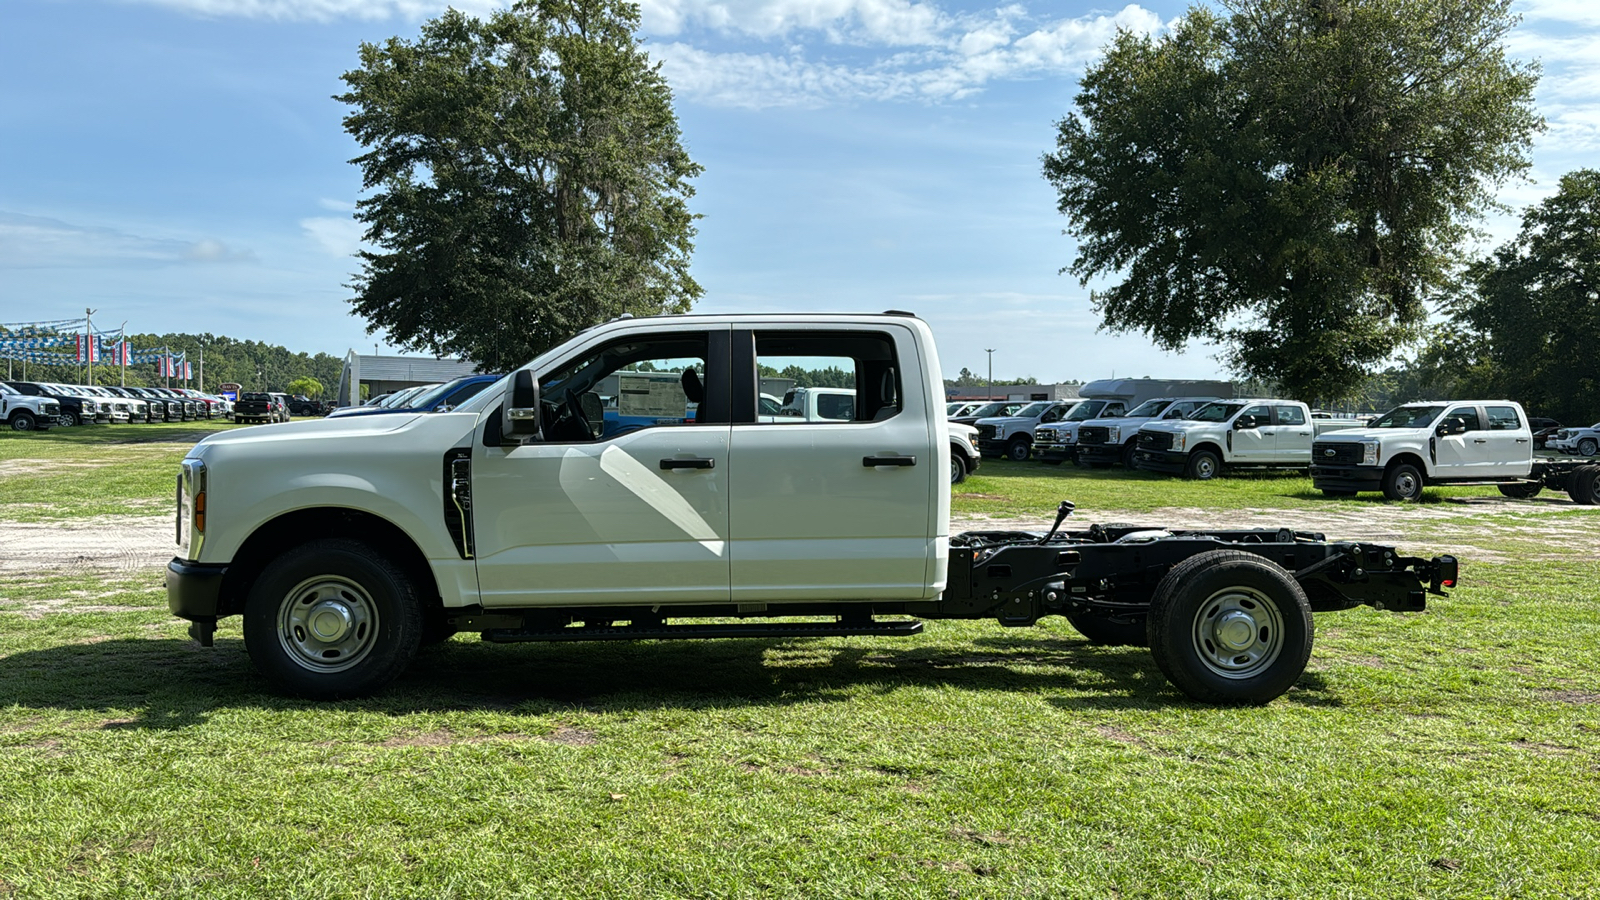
(652, 632)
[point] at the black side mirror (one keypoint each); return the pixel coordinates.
(519, 415)
(1244, 422)
(1451, 426)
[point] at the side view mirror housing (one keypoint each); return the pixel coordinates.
(1451, 426)
(519, 414)
(1244, 422)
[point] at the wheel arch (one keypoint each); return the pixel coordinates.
(292, 529)
(1413, 459)
(1209, 445)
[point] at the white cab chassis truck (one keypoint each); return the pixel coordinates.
(530, 513)
(1277, 433)
(1446, 442)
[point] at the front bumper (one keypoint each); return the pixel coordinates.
(1055, 452)
(1170, 462)
(993, 447)
(194, 590)
(1347, 478)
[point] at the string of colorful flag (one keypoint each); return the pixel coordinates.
(43, 342)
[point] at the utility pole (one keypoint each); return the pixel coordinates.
(990, 351)
(122, 351)
(88, 345)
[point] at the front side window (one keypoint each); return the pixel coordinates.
(834, 377)
(642, 381)
(1149, 408)
(1467, 415)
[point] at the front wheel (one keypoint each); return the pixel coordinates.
(1228, 626)
(23, 420)
(70, 418)
(958, 469)
(1402, 482)
(1588, 447)
(332, 619)
(1019, 449)
(1203, 465)
(1522, 490)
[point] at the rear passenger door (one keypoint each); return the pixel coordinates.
(1509, 441)
(834, 510)
(1294, 435)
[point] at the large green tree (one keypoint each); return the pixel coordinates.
(1530, 330)
(526, 181)
(1291, 180)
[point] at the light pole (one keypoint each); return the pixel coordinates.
(990, 351)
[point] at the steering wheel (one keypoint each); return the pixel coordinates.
(580, 423)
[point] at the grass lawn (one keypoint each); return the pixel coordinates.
(1453, 753)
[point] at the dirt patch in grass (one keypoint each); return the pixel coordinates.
(440, 738)
(98, 544)
(571, 737)
(1584, 698)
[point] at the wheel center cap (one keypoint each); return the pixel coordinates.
(1236, 631)
(329, 621)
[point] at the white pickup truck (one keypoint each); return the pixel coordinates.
(1058, 443)
(23, 412)
(1103, 442)
(1012, 436)
(1446, 442)
(1232, 433)
(532, 513)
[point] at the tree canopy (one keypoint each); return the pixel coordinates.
(1291, 181)
(526, 181)
(1530, 329)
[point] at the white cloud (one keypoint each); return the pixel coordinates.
(1576, 12)
(33, 242)
(339, 237)
(324, 10)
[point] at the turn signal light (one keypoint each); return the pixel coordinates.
(200, 512)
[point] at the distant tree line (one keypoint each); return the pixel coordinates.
(253, 364)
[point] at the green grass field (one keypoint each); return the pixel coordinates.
(1453, 753)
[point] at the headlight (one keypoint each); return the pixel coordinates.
(191, 520)
(1114, 434)
(1179, 440)
(1369, 453)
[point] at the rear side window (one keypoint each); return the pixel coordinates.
(838, 377)
(1289, 415)
(1503, 418)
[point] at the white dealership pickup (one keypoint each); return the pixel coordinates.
(1446, 442)
(534, 512)
(1232, 433)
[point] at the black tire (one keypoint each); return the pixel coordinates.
(1522, 490)
(1231, 627)
(1099, 465)
(1128, 450)
(1019, 449)
(238, 421)
(1104, 631)
(1051, 462)
(958, 467)
(1330, 492)
(364, 603)
(1583, 485)
(1403, 481)
(70, 418)
(1588, 447)
(22, 420)
(1203, 465)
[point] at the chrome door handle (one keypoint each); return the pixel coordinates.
(690, 463)
(875, 461)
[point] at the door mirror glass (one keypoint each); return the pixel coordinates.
(519, 416)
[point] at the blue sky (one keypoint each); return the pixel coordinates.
(180, 163)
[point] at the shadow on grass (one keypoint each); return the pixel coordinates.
(176, 683)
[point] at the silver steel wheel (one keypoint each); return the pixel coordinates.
(1588, 447)
(1238, 632)
(957, 469)
(1407, 484)
(327, 623)
(1205, 467)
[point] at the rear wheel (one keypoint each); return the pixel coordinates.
(1402, 482)
(1110, 632)
(331, 619)
(1583, 485)
(22, 420)
(1522, 490)
(1228, 626)
(1203, 465)
(1018, 449)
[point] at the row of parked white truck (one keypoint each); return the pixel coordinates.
(1458, 442)
(40, 405)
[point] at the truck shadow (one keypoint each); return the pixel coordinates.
(174, 684)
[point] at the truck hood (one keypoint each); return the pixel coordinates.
(1346, 435)
(300, 432)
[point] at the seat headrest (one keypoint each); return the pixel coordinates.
(692, 388)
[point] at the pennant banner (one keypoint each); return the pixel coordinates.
(35, 343)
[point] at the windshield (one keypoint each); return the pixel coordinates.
(1086, 410)
(1034, 410)
(1408, 417)
(7, 389)
(988, 409)
(1149, 408)
(1216, 412)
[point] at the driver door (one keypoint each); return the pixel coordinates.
(635, 514)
